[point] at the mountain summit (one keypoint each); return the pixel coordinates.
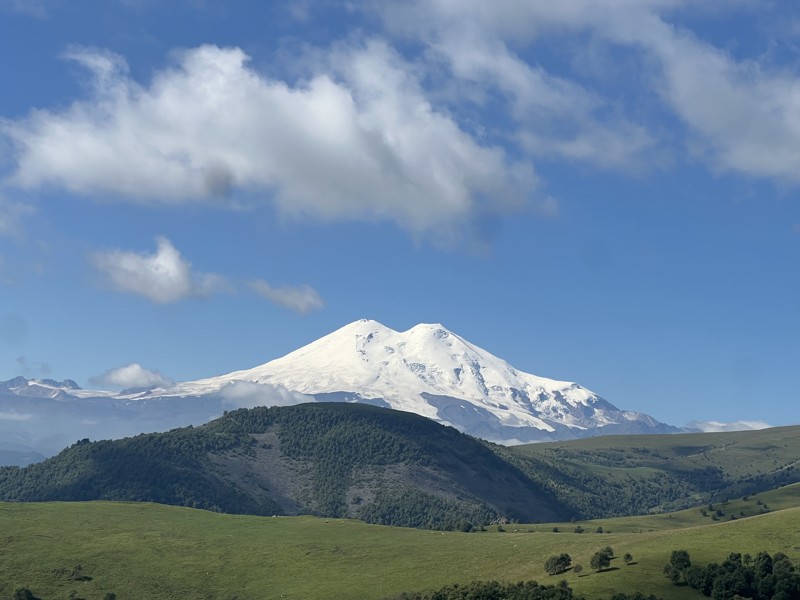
(431, 371)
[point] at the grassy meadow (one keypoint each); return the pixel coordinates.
(154, 551)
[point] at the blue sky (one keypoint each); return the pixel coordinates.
(603, 192)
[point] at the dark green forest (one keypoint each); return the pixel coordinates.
(762, 577)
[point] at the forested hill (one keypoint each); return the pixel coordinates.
(329, 459)
(397, 468)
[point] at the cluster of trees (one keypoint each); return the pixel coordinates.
(524, 590)
(558, 564)
(414, 508)
(601, 559)
(739, 576)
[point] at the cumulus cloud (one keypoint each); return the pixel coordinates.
(133, 375)
(357, 140)
(301, 299)
(710, 426)
(164, 276)
(248, 394)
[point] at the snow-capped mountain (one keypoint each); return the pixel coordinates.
(433, 372)
(427, 370)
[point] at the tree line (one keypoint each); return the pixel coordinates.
(763, 577)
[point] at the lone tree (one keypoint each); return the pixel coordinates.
(628, 558)
(679, 563)
(601, 560)
(558, 564)
(577, 569)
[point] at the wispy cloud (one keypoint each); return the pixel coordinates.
(357, 140)
(164, 276)
(33, 8)
(739, 115)
(709, 426)
(133, 375)
(301, 299)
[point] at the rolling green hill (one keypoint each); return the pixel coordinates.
(334, 460)
(395, 468)
(154, 551)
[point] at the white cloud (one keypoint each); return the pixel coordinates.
(164, 276)
(133, 375)
(248, 394)
(554, 116)
(358, 140)
(740, 115)
(743, 116)
(301, 299)
(710, 426)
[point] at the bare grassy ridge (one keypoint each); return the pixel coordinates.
(154, 551)
(627, 474)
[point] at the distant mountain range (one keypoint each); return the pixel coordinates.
(427, 370)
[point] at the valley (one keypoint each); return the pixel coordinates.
(155, 551)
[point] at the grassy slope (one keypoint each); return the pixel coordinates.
(737, 453)
(694, 468)
(770, 501)
(153, 551)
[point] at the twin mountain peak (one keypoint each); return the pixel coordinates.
(427, 370)
(433, 372)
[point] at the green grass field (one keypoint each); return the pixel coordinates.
(144, 551)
